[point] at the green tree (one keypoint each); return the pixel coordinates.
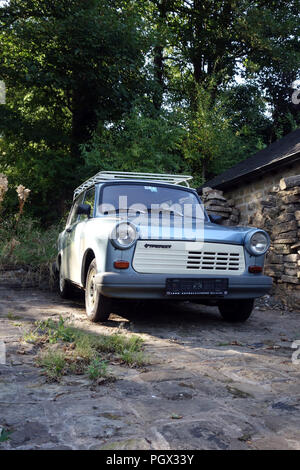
(77, 73)
(274, 61)
(67, 64)
(249, 115)
(204, 42)
(138, 142)
(212, 144)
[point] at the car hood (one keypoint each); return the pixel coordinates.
(210, 233)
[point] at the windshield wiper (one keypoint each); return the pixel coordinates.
(176, 213)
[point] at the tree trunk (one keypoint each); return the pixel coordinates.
(159, 77)
(84, 119)
(158, 61)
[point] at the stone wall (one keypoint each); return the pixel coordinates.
(215, 203)
(277, 211)
(279, 214)
(248, 195)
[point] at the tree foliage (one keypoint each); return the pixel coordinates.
(67, 64)
(139, 142)
(153, 85)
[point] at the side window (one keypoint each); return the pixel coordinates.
(90, 199)
(72, 216)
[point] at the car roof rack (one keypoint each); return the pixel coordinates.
(103, 176)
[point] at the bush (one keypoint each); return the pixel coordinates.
(27, 244)
(22, 240)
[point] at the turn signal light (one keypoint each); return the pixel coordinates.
(121, 264)
(255, 269)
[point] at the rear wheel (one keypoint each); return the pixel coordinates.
(65, 288)
(234, 311)
(98, 307)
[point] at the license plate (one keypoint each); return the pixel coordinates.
(190, 286)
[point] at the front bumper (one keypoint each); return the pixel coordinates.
(152, 286)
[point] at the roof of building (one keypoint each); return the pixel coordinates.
(279, 153)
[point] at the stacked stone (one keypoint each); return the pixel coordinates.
(279, 215)
(215, 203)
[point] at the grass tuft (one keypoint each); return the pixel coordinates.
(65, 349)
(5, 435)
(53, 364)
(97, 369)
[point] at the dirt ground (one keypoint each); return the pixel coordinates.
(210, 385)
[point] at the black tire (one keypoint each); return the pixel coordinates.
(97, 307)
(65, 288)
(235, 311)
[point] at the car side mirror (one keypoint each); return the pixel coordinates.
(215, 219)
(84, 209)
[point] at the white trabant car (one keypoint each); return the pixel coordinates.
(140, 236)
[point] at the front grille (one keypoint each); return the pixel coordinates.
(181, 257)
(219, 261)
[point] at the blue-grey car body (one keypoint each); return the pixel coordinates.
(91, 238)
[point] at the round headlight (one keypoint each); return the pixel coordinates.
(124, 235)
(258, 243)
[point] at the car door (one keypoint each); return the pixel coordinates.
(83, 234)
(71, 246)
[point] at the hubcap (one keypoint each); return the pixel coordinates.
(61, 282)
(91, 289)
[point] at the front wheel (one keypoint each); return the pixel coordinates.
(98, 307)
(234, 311)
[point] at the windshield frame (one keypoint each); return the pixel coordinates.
(102, 186)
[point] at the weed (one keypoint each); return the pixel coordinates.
(97, 369)
(77, 352)
(176, 416)
(245, 437)
(5, 435)
(84, 347)
(11, 316)
(28, 246)
(120, 343)
(53, 364)
(133, 358)
(56, 331)
(31, 337)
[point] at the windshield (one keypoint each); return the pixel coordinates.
(142, 198)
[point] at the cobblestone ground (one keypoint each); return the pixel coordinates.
(210, 385)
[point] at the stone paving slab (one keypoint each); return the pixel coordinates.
(210, 385)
